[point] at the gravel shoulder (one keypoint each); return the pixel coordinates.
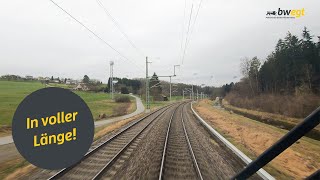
(252, 138)
(214, 159)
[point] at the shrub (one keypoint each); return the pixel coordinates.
(121, 99)
(124, 90)
(298, 106)
(120, 110)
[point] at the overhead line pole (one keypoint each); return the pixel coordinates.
(174, 74)
(183, 94)
(147, 86)
(169, 84)
(192, 93)
(170, 88)
(111, 78)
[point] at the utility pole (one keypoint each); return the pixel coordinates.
(111, 77)
(197, 95)
(183, 94)
(170, 87)
(147, 86)
(174, 74)
(192, 93)
(174, 69)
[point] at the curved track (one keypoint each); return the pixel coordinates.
(107, 152)
(178, 159)
(167, 144)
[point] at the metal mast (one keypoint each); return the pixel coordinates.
(111, 78)
(147, 86)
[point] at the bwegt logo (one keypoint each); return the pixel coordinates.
(292, 13)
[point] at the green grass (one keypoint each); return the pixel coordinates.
(101, 103)
(176, 98)
(12, 93)
(156, 104)
(69, 86)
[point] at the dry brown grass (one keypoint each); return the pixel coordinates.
(20, 172)
(5, 131)
(19, 168)
(121, 109)
(132, 107)
(12, 167)
(298, 161)
(277, 120)
(298, 106)
(114, 126)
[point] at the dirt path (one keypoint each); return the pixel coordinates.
(299, 161)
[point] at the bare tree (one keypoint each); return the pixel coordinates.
(245, 70)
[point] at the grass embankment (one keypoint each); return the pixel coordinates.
(101, 103)
(297, 105)
(157, 104)
(253, 137)
(276, 120)
(12, 93)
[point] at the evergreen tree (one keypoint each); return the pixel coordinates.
(86, 79)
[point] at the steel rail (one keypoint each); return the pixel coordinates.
(115, 157)
(65, 170)
(165, 145)
(194, 160)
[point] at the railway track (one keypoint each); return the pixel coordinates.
(105, 154)
(167, 144)
(178, 158)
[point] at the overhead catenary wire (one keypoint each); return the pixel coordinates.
(183, 25)
(195, 19)
(189, 37)
(119, 27)
(184, 51)
(96, 35)
(189, 33)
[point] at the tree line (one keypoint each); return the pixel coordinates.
(293, 67)
(124, 85)
(287, 82)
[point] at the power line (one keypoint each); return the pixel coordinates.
(102, 40)
(119, 28)
(192, 28)
(195, 19)
(194, 22)
(184, 52)
(183, 22)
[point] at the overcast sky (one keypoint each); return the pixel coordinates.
(37, 38)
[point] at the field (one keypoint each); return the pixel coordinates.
(12, 93)
(253, 137)
(156, 104)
